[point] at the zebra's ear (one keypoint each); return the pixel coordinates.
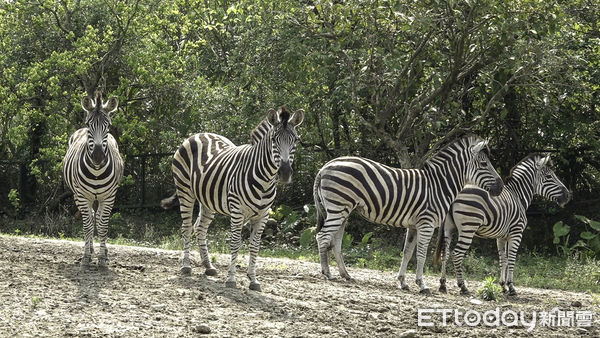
(297, 118)
(273, 117)
(111, 105)
(479, 147)
(87, 103)
(542, 161)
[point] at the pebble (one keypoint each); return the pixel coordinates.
(576, 303)
(202, 328)
(408, 334)
(476, 301)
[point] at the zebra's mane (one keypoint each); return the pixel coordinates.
(466, 139)
(260, 131)
(525, 159)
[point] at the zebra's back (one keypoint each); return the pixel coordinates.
(205, 164)
(380, 193)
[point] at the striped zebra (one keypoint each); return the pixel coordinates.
(92, 169)
(238, 181)
(475, 213)
(414, 198)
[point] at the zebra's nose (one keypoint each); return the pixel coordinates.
(496, 188)
(285, 172)
(97, 155)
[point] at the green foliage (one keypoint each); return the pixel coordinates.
(587, 245)
(13, 197)
(308, 237)
(490, 290)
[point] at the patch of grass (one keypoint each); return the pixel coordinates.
(490, 290)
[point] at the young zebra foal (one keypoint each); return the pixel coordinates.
(92, 169)
(238, 181)
(476, 213)
(414, 198)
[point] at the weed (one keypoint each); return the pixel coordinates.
(490, 290)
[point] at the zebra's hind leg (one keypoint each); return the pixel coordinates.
(446, 253)
(501, 243)
(102, 216)
(257, 228)
(337, 252)
(205, 216)
(513, 247)
(237, 220)
(186, 208)
(465, 237)
(424, 233)
(332, 226)
(409, 246)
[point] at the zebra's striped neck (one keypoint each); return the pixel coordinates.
(264, 165)
(520, 182)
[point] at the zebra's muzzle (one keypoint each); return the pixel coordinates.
(285, 172)
(98, 157)
(563, 198)
(496, 188)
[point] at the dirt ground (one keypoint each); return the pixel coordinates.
(44, 293)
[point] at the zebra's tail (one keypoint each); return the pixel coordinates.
(320, 210)
(441, 242)
(170, 202)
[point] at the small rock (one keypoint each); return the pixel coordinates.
(408, 334)
(576, 303)
(383, 329)
(202, 328)
(476, 301)
(200, 297)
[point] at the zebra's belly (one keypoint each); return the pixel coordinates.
(394, 218)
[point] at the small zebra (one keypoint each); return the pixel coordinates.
(238, 181)
(414, 198)
(475, 213)
(92, 169)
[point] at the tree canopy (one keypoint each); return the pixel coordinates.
(393, 81)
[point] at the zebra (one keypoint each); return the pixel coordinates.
(475, 213)
(238, 181)
(93, 169)
(414, 198)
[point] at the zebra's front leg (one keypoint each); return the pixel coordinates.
(257, 230)
(102, 217)
(424, 234)
(237, 220)
(200, 229)
(88, 216)
(503, 262)
(409, 246)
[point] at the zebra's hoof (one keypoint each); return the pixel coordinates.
(255, 287)
(404, 287)
(230, 284)
(210, 272)
(464, 291)
(512, 292)
(425, 291)
(328, 276)
(443, 289)
(186, 270)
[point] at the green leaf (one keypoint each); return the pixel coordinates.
(365, 240)
(582, 218)
(595, 225)
(560, 229)
(588, 235)
(307, 236)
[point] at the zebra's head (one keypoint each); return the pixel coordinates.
(284, 139)
(480, 171)
(98, 122)
(546, 184)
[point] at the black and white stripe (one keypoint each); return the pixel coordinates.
(414, 198)
(92, 169)
(476, 213)
(238, 181)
